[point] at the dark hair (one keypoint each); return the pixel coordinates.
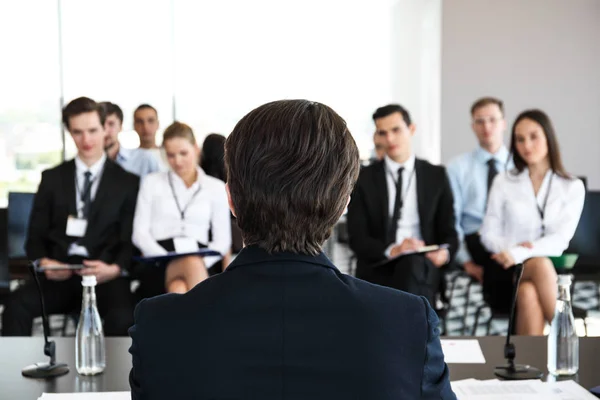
(291, 166)
(212, 160)
(384, 111)
(144, 107)
(112, 109)
(543, 120)
(179, 130)
(82, 105)
(486, 101)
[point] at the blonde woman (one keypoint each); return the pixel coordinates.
(178, 211)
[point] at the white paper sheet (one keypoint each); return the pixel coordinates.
(462, 351)
(505, 390)
(87, 396)
(471, 389)
(570, 390)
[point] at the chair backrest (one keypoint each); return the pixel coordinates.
(586, 241)
(4, 273)
(19, 209)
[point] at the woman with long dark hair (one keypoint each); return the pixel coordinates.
(212, 156)
(532, 214)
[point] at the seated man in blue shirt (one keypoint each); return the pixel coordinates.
(471, 175)
(136, 161)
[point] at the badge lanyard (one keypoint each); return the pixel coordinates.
(542, 210)
(181, 210)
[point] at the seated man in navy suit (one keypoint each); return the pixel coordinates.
(282, 322)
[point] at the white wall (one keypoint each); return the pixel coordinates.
(416, 69)
(533, 53)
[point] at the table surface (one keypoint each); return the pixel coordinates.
(16, 353)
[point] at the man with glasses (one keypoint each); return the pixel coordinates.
(471, 175)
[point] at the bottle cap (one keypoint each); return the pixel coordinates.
(88, 280)
(565, 279)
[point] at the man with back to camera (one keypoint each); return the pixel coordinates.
(471, 176)
(145, 123)
(82, 213)
(401, 204)
(282, 322)
(135, 161)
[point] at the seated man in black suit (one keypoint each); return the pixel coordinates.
(400, 204)
(82, 212)
(282, 322)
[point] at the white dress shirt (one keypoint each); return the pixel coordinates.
(157, 216)
(409, 224)
(96, 174)
(512, 215)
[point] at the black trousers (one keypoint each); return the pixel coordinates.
(411, 273)
(114, 300)
(498, 283)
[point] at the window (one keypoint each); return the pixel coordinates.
(30, 131)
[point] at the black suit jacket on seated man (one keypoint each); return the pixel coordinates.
(290, 327)
(107, 238)
(368, 219)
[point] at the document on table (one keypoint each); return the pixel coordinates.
(462, 351)
(471, 389)
(87, 396)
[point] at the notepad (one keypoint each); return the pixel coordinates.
(87, 396)
(462, 351)
(173, 255)
(420, 250)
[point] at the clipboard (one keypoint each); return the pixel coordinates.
(60, 267)
(421, 250)
(172, 255)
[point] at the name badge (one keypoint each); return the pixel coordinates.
(76, 227)
(185, 245)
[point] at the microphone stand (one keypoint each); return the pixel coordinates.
(44, 370)
(512, 371)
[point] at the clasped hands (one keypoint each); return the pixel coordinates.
(102, 271)
(437, 257)
(505, 259)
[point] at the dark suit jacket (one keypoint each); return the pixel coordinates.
(287, 326)
(108, 235)
(368, 215)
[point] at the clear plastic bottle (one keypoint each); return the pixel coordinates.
(563, 342)
(90, 353)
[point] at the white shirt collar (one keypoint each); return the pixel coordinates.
(95, 168)
(500, 156)
(199, 178)
(393, 166)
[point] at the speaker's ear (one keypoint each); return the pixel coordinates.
(229, 200)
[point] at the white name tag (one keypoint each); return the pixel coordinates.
(185, 245)
(76, 227)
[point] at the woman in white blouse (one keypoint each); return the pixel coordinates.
(175, 212)
(532, 213)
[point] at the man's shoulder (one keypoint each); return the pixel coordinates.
(370, 171)
(435, 170)
(57, 170)
(460, 161)
(126, 176)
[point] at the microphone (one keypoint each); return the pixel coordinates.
(51, 369)
(512, 371)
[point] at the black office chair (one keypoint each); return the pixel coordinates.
(4, 272)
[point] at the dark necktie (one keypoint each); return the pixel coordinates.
(393, 226)
(492, 172)
(86, 195)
